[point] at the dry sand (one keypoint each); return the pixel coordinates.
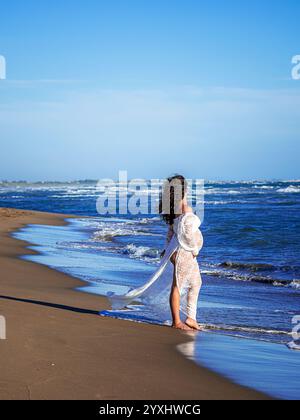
(58, 347)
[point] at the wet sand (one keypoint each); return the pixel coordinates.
(58, 347)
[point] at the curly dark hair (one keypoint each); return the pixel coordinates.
(173, 192)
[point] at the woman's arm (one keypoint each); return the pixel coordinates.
(190, 233)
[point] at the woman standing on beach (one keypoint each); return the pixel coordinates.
(184, 230)
(178, 273)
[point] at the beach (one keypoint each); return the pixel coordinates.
(123, 146)
(58, 347)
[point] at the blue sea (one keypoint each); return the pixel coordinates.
(250, 267)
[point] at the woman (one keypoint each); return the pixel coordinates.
(184, 225)
(183, 243)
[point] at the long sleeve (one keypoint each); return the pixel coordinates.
(189, 230)
(189, 235)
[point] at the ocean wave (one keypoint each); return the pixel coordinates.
(148, 220)
(295, 284)
(256, 267)
(249, 266)
(238, 328)
(267, 280)
(240, 277)
(219, 191)
(108, 233)
(290, 189)
(86, 195)
(263, 334)
(79, 245)
(142, 252)
(263, 187)
(225, 202)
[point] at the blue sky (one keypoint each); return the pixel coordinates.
(154, 87)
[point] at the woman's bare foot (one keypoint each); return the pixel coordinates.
(193, 324)
(182, 326)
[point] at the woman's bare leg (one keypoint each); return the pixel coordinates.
(175, 307)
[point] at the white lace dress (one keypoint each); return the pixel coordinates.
(187, 273)
(184, 240)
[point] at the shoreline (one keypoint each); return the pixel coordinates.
(58, 347)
